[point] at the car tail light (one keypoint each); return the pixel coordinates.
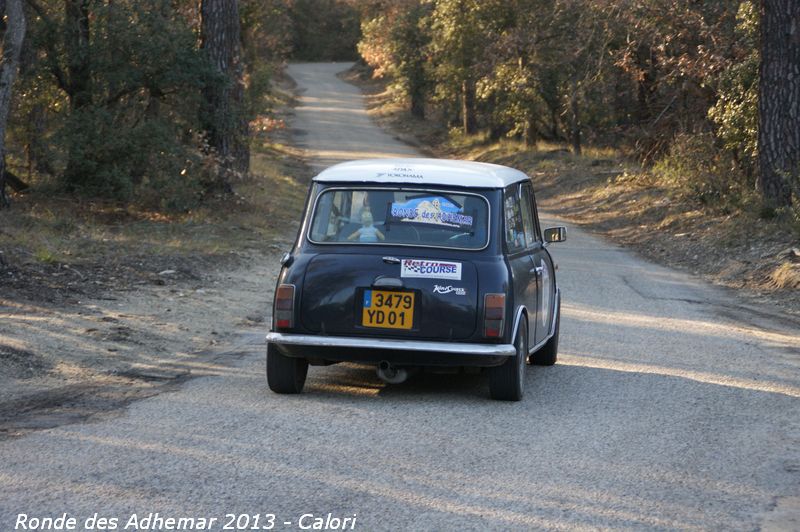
(284, 306)
(494, 315)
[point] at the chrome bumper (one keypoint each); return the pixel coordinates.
(455, 348)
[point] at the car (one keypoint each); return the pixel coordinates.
(413, 264)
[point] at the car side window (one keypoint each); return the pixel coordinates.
(536, 222)
(514, 230)
(527, 215)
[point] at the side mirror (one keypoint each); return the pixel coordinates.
(555, 234)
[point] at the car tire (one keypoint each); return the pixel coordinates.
(507, 382)
(548, 353)
(285, 374)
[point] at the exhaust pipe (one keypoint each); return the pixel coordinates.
(391, 374)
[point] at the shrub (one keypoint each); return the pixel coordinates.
(697, 168)
(133, 124)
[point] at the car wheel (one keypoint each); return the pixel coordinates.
(548, 354)
(506, 382)
(285, 374)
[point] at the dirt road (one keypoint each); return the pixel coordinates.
(672, 407)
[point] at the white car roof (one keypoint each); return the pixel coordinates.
(422, 171)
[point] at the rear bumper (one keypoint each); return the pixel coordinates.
(412, 352)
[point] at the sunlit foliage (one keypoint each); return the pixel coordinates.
(644, 77)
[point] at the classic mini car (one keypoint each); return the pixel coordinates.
(417, 263)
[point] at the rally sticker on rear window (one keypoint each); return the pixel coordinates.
(436, 210)
(432, 269)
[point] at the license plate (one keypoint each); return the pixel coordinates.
(388, 309)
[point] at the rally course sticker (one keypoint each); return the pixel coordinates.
(435, 210)
(431, 269)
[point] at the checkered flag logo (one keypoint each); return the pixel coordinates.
(413, 266)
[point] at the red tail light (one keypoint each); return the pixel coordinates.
(494, 315)
(284, 306)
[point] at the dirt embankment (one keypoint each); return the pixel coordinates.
(102, 304)
(608, 195)
(67, 354)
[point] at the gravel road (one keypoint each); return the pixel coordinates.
(672, 407)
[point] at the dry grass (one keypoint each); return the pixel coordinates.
(52, 247)
(786, 276)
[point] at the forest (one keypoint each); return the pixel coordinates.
(157, 101)
(678, 85)
(148, 99)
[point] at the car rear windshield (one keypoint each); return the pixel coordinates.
(394, 216)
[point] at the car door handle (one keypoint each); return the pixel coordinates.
(537, 270)
(385, 281)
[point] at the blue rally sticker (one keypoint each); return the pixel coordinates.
(367, 298)
(431, 210)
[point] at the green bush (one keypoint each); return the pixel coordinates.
(133, 126)
(696, 167)
(736, 111)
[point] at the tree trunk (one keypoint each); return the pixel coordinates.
(497, 128)
(12, 46)
(76, 22)
(468, 107)
(575, 119)
(779, 101)
(79, 75)
(644, 57)
(226, 123)
(418, 100)
(529, 132)
(36, 148)
(554, 114)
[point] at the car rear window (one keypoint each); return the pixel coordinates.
(393, 216)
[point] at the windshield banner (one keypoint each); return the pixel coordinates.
(430, 210)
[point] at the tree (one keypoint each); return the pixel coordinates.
(779, 102)
(324, 30)
(12, 46)
(514, 66)
(266, 42)
(458, 39)
(394, 43)
(79, 76)
(410, 41)
(673, 52)
(736, 111)
(226, 120)
(112, 93)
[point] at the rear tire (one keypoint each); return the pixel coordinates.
(507, 382)
(285, 374)
(548, 354)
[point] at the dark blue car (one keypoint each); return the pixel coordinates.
(417, 263)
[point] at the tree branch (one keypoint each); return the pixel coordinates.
(15, 182)
(54, 68)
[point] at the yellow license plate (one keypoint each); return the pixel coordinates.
(388, 309)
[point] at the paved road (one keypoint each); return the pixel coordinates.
(331, 123)
(672, 407)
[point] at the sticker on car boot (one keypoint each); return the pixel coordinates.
(431, 269)
(449, 289)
